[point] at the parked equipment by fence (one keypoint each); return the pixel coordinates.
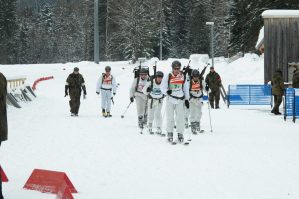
(249, 95)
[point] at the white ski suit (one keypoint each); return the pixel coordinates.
(155, 103)
(174, 105)
(105, 86)
(140, 97)
(196, 100)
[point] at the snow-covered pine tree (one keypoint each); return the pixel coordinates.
(177, 23)
(135, 32)
(8, 27)
(199, 32)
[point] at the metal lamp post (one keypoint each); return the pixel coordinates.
(161, 30)
(212, 40)
(96, 32)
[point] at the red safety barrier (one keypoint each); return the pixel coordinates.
(39, 80)
(51, 182)
(3, 175)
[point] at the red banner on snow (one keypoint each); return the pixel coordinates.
(39, 80)
(51, 182)
(3, 175)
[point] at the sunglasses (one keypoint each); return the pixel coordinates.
(176, 68)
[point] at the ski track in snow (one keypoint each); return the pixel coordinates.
(250, 153)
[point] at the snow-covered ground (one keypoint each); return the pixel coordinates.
(250, 153)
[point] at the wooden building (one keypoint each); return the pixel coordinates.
(281, 42)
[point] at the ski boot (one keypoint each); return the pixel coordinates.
(72, 114)
(108, 114)
(212, 104)
(140, 121)
(150, 128)
(145, 120)
(103, 113)
(193, 127)
(186, 123)
(180, 138)
(159, 131)
(198, 128)
(170, 137)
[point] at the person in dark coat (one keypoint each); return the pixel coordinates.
(296, 79)
(277, 90)
(213, 82)
(74, 85)
(3, 117)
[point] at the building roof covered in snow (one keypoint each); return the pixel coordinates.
(280, 14)
(260, 40)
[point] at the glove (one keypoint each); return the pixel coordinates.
(132, 99)
(187, 103)
(84, 96)
(169, 92)
(97, 93)
(65, 90)
(149, 89)
(114, 93)
(207, 88)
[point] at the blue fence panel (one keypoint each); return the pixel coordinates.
(289, 102)
(296, 103)
(249, 95)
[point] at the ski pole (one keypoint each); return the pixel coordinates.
(210, 114)
(123, 115)
(112, 100)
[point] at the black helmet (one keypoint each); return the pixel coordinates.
(143, 71)
(76, 69)
(195, 73)
(159, 74)
(176, 64)
(107, 68)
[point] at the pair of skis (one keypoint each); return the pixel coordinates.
(184, 142)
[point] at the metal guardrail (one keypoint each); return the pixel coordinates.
(249, 95)
(15, 82)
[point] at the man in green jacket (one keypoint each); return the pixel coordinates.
(277, 90)
(213, 82)
(296, 78)
(3, 117)
(75, 84)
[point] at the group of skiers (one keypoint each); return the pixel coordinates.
(183, 90)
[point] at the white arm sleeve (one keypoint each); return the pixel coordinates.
(133, 87)
(164, 84)
(99, 85)
(148, 84)
(186, 90)
(114, 87)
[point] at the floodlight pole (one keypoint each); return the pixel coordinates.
(212, 40)
(96, 32)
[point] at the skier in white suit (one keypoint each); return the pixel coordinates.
(176, 88)
(141, 99)
(155, 102)
(106, 85)
(196, 100)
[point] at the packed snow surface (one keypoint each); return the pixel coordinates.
(250, 154)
